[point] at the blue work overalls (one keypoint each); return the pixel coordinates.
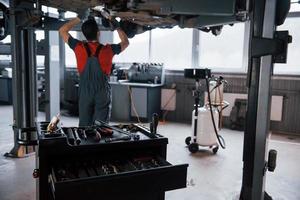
(94, 91)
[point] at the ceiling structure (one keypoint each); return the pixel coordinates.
(164, 13)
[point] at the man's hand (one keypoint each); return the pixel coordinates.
(114, 24)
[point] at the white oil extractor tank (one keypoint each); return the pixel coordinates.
(205, 130)
(205, 120)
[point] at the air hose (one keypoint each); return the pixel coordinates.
(221, 140)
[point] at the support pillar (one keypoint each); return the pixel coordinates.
(52, 74)
(62, 58)
(260, 70)
(24, 86)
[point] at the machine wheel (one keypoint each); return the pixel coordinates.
(193, 147)
(188, 140)
(215, 150)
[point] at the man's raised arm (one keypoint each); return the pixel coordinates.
(124, 39)
(64, 30)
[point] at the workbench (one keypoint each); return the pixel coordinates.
(132, 100)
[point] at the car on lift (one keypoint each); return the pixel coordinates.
(138, 16)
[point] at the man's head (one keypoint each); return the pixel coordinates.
(90, 30)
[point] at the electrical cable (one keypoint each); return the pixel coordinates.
(168, 102)
(221, 140)
(133, 105)
(221, 103)
(132, 102)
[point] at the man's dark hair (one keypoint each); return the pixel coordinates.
(89, 29)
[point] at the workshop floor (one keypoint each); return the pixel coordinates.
(210, 177)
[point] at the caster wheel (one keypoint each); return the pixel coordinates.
(188, 140)
(215, 150)
(193, 147)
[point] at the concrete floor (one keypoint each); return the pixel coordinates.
(210, 177)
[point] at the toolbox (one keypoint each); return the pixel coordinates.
(104, 162)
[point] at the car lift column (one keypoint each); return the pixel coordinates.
(62, 58)
(260, 71)
(52, 74)
(24, 75)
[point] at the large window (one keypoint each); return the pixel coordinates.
(173, 47)
(6, 57)
(40, 59)
(223, 53)
(138, 50)
(293, 62)
(295, 7)
(69, 53)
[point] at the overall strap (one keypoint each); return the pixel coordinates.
(87, 48)
(98, 50)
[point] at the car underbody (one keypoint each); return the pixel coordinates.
(138, 16)
(201, 14)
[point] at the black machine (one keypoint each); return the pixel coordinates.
(104, 162)
(149, 73)
(146, 73)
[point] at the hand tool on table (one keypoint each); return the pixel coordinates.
(83, 134)
(52, 126)
(70, 136)
(105, 125)
(155, 119)
(97, 137)
(107, 140)
(76, 136)
(105, 131)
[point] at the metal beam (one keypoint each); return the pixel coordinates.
(258, 111)
(62, 57)
(195, 48)
(246, 45)
(24, 76)
(50, 23)
(264, 101)
(52, 74)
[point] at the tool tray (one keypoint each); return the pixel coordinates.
(125, 169)
(91, 181)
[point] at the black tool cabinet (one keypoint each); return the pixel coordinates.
(132, 183)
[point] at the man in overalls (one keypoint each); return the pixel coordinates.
(94, 62)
